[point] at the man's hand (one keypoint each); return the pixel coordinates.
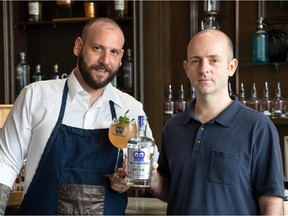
(119, 183)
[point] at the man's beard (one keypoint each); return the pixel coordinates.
(87, 75)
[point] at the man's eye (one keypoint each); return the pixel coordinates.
(97, 48)
(115, 52)
(214, 61)
(194, 61)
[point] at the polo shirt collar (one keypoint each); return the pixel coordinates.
(226, 118)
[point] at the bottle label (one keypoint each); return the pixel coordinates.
(33, 8)
(119, 4)
(140, 161)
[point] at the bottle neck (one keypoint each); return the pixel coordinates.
(142, 123)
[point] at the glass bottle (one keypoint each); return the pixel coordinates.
(266, 102)
(230, 89)
(37, 76)
(34, 11)
(169, 103)
(253, 102)
(180, 102)
(114, 82)
(242, 97)
(140, 151)
(55, 74)
(279, 104)
(121, 8)
(128, 71)
(192, 97)
(260, 44)
(22, 73)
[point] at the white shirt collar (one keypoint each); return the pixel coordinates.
(109, 93)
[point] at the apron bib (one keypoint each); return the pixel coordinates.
(70, 178)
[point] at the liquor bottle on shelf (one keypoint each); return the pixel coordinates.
(253, 102)
(114, 82)
(140, 151)
(192, 97)
(121, 8)
(266, 102)
(34, 11)
(230, 89)
(169, 104)
(279, 104)
(180, 102)
(89, 9)
(22, 73)
(260, 43)
(242, 97)
(128, 71)
(37, 76)
(55, 74)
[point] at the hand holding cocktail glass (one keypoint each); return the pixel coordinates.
(120, 131)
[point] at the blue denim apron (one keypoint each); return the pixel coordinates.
(70, 178)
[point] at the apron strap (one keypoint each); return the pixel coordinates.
(112, 109)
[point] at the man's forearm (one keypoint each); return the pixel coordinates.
(4, 196)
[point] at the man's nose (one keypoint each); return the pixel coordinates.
(204, 66)
(104, 57)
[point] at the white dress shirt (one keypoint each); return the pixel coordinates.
(34, 115)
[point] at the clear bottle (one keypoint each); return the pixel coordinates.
(128, 71)
(169, 103)
(121, 8)
(260, 43)
(192, 97)
(266, 102)
(114, 82)
(140, 151)
(254, 101)
(22, 73)
(37, 76)
(55, 74)
(180, 102)
(242, 97)
(279, 104)
(34, 11)
(230, 91)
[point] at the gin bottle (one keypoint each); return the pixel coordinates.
(37, 76)
(55, 74)
(140, 151)
(22, 73)
(242, 97)
(180, 102)
(169, 104)
(254, 101)
(266, 102)
(128, 71)
(279, 104)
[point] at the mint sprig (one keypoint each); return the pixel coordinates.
(124, 119)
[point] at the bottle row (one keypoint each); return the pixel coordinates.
(123, 80)
(47, 11)
(274, 106)
(171, 106)
(24, 77)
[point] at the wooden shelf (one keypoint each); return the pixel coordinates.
(275, 64)
(72, 20)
